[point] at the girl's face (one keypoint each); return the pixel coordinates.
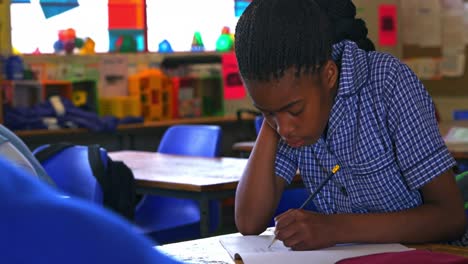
(298, 108)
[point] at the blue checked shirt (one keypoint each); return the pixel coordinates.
(383, 133)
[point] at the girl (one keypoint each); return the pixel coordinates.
(329, 100)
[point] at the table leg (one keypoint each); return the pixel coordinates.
(204, 216)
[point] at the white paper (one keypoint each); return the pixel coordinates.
(113, 76)
(453, 65)
(457, 135)
(428, 22)
(409, 9)
(429, 68)
(254, 249)
(426, 68)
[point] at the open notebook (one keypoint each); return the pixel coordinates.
(254, 249)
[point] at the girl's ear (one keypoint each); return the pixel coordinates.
(329, 74)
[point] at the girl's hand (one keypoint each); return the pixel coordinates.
(304, 230)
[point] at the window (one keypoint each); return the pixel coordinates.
(177, 20)
(31, 30)
(172, 20)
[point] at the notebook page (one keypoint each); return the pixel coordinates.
(250, 244)
(254, 249)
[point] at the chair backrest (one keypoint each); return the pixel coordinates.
(258, 123)
(56, 226)
(460, 114)
(71, 171)
(24, 150)
(192, 140)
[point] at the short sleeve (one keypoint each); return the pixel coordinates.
(286, 162)
(420, 149)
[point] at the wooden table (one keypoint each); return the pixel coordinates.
(243, 147)
(209, 250)
(202, 179)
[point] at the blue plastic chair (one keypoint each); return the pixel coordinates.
(167, 219)
(258, 123)
(291, 198)
(460, 114)
(71, 172)
(57, 226)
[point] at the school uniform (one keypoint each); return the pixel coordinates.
(383, 133)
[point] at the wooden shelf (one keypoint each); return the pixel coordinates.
(127, 127)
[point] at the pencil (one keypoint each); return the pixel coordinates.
(312, 195)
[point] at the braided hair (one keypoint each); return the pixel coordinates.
(274, 35)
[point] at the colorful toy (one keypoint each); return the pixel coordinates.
(58, 46)
(79, 42)
(14, 68)
(165, 47)
(225, 41)
(67, 42)
(88, 46)
(125, 44)
(37, 51)
(155, 91)
(197, 43)
(69, 46)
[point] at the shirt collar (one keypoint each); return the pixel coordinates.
(354, 68)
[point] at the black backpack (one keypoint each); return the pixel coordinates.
(117, 181)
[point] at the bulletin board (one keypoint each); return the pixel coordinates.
(446, 86)
(373, 11)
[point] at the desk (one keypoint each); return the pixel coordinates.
(243, 147)
(202, 179)
(209, 250)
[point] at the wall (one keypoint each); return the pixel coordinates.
(448, 94)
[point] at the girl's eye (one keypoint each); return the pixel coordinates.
(296, 113)
(267, 114)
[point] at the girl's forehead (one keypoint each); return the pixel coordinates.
(275, 94)
(289, 82)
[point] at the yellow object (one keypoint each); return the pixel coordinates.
(79, 98)
(120, 106)
(88, 47)
(154, 89)
(336, 168)
(5, 27)
(16, 51)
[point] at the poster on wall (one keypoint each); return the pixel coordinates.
(233, 86)
(388, 25)
(113, 76)
(410, 32)
(428, 20)
(453, 27)
(465, 21)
